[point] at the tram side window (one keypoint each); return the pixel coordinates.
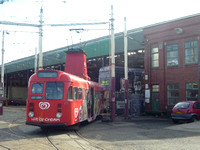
(37, 88)
(79, 93)
(69, 93)
(96, 95)
(83, 91)
(75, 93)
(102, 95)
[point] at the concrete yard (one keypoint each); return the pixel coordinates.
(141, 133)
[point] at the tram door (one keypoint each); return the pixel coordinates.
(155, 98)
(92, 102)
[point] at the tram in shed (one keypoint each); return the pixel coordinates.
(63, 98)
(135, 83)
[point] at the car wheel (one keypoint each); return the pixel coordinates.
(175, 121)
(194, 118)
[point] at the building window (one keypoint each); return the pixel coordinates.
(154, 57)
(172, 94)
(155, 88)
(192, 91)
(172, 55)
(191, 52)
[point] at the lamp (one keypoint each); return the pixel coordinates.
(178, 30)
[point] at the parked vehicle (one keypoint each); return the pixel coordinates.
(12, 103)
(186, 111)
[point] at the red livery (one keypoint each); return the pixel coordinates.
(57, 98)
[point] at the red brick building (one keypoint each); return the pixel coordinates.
(172, 63)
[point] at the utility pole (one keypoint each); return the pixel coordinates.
(2, 63)
(112, 67)
(126, 68)
(40, 40)
(35, 60)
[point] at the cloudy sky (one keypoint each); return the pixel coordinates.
(22, 41)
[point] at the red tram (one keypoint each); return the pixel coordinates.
(57, 98)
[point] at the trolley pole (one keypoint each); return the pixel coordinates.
(40, 40)
(112, 67)
(126, 68)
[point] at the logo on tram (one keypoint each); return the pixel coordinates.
(44, 105)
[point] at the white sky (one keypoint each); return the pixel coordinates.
(139, 13)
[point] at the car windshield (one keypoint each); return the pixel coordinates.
(182, 105)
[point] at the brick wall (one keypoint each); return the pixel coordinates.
(160, 36)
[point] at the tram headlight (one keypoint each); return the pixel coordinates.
(58, 115)
(31, 114)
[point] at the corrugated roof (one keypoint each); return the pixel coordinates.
(93, 48)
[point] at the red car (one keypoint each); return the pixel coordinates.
(186, 111)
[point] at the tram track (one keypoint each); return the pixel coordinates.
(17, 134)
(71, 139)
(94, 145)
(14, 131)
(75, 139)
(4, 147)
(50, 141)
(13, 124)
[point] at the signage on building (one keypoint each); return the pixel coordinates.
(147, 94)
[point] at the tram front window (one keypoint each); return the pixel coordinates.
(54, 90)
(37, 88)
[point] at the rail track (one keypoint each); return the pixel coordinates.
(10, 130)
(4, 147)
(89, 141)
(14, 135)
(72, 139)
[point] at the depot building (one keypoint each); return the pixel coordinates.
(172, 63)
(167, 51)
